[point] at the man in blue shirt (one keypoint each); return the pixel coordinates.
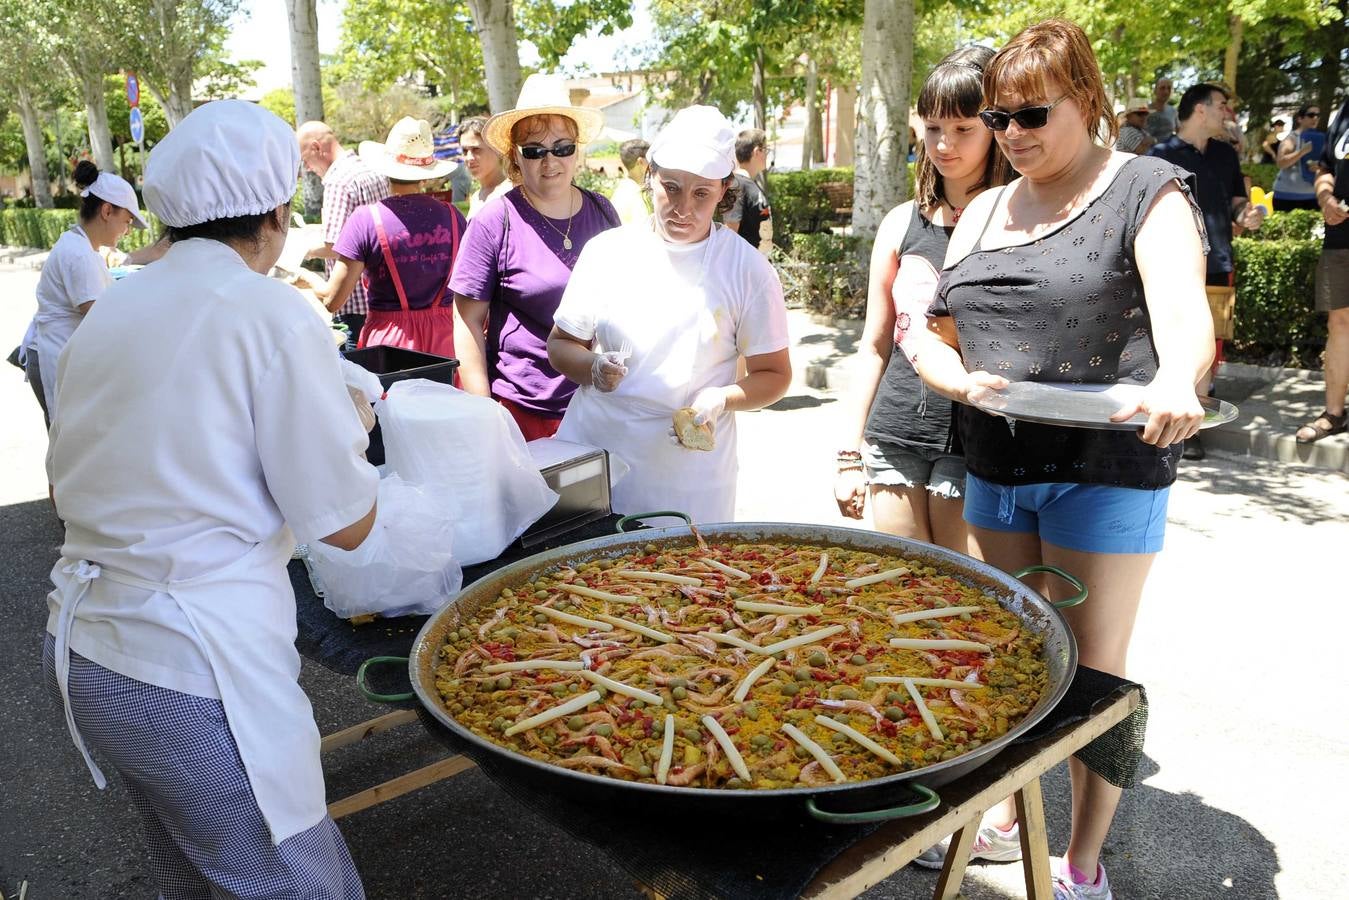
(1199, 146)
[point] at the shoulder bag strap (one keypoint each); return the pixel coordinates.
(979, 241)
(388, 255)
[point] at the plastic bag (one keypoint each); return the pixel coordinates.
(469, 446)
(406, 566)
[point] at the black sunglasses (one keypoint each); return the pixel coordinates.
(537, 151)
(1026, 117)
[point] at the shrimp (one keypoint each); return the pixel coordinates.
(852, 706)
(599, 762)
(668, 651)
(599, 718)
(862, 610)
(595, 742)
(814, 775)
(685, 777)
(711, 699)
(491, 623)
(703, 647)
(588, 643)
(465, 660)
(718, 674)
(969, 706)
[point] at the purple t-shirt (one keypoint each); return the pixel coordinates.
(421, 232)
(521, 270)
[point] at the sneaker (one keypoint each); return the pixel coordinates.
(989, 844)
(1065, 888)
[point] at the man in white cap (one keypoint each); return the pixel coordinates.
(653, 321)
(348, 184)
(185, 473)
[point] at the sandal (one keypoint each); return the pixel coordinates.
(1337, 424)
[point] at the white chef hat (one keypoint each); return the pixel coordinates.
(115, 190)
(228, 158)
(699, 139)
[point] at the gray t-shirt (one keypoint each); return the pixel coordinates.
(1161, 123)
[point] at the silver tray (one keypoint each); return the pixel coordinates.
(1082, 405)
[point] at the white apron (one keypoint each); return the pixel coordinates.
(243, 617)
(679, 346)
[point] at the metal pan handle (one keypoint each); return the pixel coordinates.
(929, 802)
(1074, 600)
(381, 698)
(621, 528)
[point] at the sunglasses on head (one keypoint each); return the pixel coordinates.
(538, 151)
(1026, 117)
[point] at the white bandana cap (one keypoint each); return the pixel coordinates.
(115, 190)
(699, 139)
(228, 158)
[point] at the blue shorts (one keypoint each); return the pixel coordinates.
(1091, 518)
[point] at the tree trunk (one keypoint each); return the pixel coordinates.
(760, 94)
(1327, 77)
(812, 137)
(880, 181)
(304, 71)
(495, 21)
(37, 148)
(96, 112)
(1235, 27)
(178, 104)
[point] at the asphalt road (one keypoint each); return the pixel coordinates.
(1240, 643)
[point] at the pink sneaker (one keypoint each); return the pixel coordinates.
(1065, 888)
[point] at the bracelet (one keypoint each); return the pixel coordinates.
(850, 454)
(853, 466)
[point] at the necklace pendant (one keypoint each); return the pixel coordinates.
(566, 243)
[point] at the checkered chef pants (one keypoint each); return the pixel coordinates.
(205, 834)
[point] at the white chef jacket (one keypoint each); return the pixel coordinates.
(73, 275)
(203, 412)
(687, 311)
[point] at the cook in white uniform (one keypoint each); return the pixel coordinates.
(74, 275)
(204, 427)
(654, 318)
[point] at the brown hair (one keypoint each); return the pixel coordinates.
(1056, 50)
(954, 89)
(534, 126)
(724, 205)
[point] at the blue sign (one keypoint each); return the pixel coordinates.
(137, 125)
(133, 90)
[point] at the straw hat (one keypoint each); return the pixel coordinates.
(542, 95)
(408, 154)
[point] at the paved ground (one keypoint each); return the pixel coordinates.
(1239, 644)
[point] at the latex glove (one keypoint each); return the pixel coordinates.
(1173, 409)
(606, 371)
(977, 384)
(850, 490)
(709, 404)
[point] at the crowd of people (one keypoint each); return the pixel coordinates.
(1031, 252)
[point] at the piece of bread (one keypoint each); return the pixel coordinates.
(695, 437)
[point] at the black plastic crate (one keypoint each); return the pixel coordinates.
(394, 364)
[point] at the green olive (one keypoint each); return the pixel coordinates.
(604, 730)
(761, 740)
(859, 659)
(644, 771)
(818, 658)
(847, 693)
(576, 723)
(504, 683)
(801, 752)
(752, 712)
(802, 674)
(895, 697)
(540, 618)
(894, 714)
(558, 690)
(693, 735)
(540, 595)
(457, 708)
(507, 592)
(868, 684)
(734, 783)
(678, 682)
(680, 693)
(549, 737)
(791, 688)
(658, 726)
(499, 724)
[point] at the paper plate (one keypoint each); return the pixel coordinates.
(1083, 405)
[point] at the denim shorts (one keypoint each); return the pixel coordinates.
(889, 464)
(1090, 518)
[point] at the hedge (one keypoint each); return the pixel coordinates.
(803, 204)
(40, 228)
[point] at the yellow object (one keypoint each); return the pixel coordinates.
(1222, 305)
(1260, 198)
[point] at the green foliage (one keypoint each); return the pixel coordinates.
(40, 228)
(281, 103)
(802, 204)
(552, 26)
(1262, 175)
(592, 180)
(824, 273)
(1275, 321)
(1293, 224)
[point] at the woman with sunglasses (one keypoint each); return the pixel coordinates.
(1089, 269)
(518, 254)
(902, 447)
(1295, 185)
